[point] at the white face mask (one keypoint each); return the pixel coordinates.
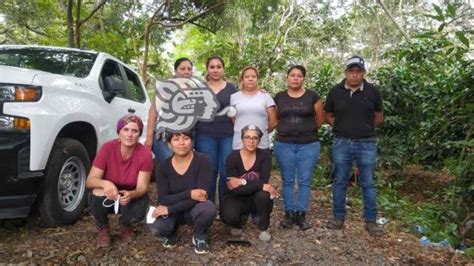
(116, 204)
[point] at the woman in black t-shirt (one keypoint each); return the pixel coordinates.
(300, 114)
(214, 138)
(183, 182)
(248, 172)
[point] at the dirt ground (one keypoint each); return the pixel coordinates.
(25, 243)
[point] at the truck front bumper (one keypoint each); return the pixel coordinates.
(18, 185)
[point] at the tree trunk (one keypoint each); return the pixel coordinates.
(70, 29)
(77, 33)
(400, 29)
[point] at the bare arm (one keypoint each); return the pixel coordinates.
(150, 130)
(272, 118)
(329, 118)
(99, 186)
(142, 185)
(319, 110)
(378, 118)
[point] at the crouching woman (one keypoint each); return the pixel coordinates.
(120, 172)
(248, 171)
(183, 181)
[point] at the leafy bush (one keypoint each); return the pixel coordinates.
(428, 95)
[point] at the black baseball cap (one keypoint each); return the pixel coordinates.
(355, 61)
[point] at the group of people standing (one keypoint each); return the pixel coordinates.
(230, 158)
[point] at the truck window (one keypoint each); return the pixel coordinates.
(56, 61)
(111, 69)
(136, 90)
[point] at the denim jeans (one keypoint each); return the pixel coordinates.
(161, 150)
(200, 217)
(297, 161)
(132, 212)
(217, 148)
(364, 153)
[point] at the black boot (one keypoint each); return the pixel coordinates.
(289, 219)
(301, 221)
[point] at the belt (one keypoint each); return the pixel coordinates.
(369, 139)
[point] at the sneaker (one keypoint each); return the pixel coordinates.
(374, 229)
(170, 242)
(103, 237)
(126, 232)
(236, 231)
(265, 236)
(200, 246)
(336, 224)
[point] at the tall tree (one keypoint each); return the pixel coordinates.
(74, 24)
(171, 14)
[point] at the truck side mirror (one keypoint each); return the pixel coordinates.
(112, 86)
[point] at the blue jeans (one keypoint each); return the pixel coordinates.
(297, 161)
(217, 148)
(364, 153)
(161, 150)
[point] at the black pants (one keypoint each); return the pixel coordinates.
(201, 216)
(134, 211)
(234, 207)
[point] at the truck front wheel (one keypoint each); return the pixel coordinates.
(64, 195)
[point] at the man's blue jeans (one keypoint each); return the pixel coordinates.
(217, 148)
(364, 153)
(297, 161)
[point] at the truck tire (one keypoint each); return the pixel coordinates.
(64, 195)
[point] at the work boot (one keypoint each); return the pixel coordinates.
(126, 232)
(301, 221)
(336, 224)
(103, 236)
(288, 220)
(374, 229)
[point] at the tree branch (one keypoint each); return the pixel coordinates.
(101, 4)
(190, 19)
(195, 24)
(407, 38)
(35, 30)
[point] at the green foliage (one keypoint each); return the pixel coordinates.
(469, 252)
(428, 92)
(447, 214)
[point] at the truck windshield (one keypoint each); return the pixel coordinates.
(63, 62)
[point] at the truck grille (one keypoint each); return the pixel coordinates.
(24, 160)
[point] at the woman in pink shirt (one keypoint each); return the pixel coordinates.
(120, 172)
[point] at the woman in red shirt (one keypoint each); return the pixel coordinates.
(120, 172)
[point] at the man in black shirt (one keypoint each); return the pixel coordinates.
(354, 108)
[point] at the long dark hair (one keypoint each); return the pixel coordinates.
(299, 67)
(215, 57)
(181, 60)
(170, 135)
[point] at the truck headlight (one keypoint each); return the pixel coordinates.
(19, 93)
(10, 123)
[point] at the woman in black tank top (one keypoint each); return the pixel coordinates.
(300, 115)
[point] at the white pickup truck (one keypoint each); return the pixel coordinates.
(57, 107)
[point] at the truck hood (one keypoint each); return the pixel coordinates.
(18, 75)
